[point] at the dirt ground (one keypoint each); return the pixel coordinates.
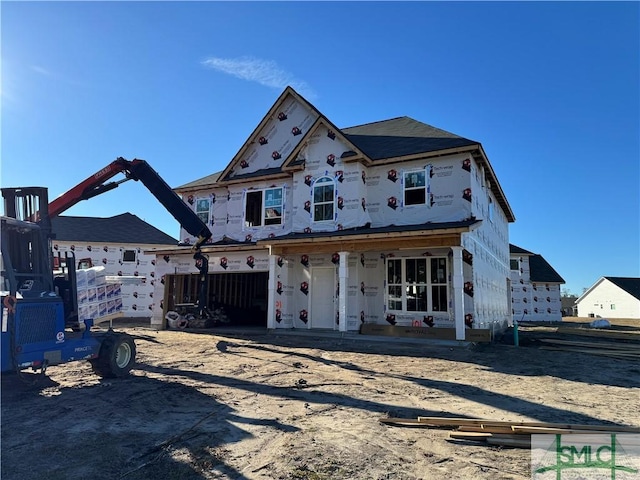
(224, 405)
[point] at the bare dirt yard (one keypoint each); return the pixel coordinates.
(224, 405)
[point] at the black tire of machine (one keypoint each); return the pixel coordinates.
(116, 358)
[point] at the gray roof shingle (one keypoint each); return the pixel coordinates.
(539, 268)
(541, 271)
(124, 228)
(201, 182)
(402, 136)
(392, 138)
(518, 250)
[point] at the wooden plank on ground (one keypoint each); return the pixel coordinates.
(403, 421)
(498, 429)
(519, 441)
(458, 421)
(476, 436)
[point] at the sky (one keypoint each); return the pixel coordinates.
(550, 89)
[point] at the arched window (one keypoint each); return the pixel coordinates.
(323, 199)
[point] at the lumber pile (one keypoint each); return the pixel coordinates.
(503, 433)
(620, 350)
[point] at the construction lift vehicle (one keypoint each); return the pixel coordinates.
(39, 311)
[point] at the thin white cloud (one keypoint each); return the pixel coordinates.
(264, 72)
(41, 71)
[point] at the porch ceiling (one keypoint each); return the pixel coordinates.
(367, 242)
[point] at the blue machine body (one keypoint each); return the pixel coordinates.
(34, 335)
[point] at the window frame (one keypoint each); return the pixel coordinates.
(409, 283)
(326, 181)
(201, 212)
(264, 205)
(124, 253)
(426, 188)
(511, 260)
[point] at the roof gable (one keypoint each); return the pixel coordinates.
(274, 145)
(628, 284)
(401, 137)
(124, 228)
(275, 137)
(352, 153)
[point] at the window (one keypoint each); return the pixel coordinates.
(439, 284)
(515, 265)
(263, 207)
(202, 209)
(417, 284)
(415, 187)
(613, 306)
(129, 256)
(323, 199)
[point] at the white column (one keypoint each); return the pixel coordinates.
(271, 294)
(458, 292)
(343, 275)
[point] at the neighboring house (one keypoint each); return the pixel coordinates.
(568, 305)
(535, 287)
(611, 297)
(122, 245)
(392, 223)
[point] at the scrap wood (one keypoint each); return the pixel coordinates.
(542, 430)
(486, 428)
(507, 440)
(476, 436)
(521, 430)
(403, 421)
(506, 433)
(452, 422)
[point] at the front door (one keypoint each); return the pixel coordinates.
(322, 295)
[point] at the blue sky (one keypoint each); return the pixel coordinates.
(551, 90)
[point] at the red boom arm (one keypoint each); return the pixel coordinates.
(92, 186)
(135, 170)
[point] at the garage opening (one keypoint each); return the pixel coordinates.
(243, 296)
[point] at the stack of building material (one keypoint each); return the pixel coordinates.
(504, 433)
(98, 299)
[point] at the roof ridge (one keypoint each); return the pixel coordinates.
(379, 121)
(91, 217)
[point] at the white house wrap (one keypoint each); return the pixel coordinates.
(389, 223)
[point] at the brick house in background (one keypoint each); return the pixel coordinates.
(394, 222)
(123, 245)
(535, 287)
